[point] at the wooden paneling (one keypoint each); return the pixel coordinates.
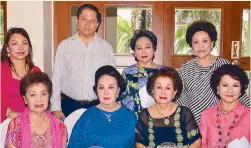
(163, 24)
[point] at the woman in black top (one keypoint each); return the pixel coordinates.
(166, 121)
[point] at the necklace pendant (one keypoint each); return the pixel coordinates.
(109, 119)
(166, 121)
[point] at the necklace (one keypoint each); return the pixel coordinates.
(166, 119)
(15, 71)
(218, 121)
(41, 140)
(108, 116)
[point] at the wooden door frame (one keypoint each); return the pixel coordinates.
(64, 16)
(163, 24)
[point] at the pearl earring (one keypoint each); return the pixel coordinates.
(8, 54)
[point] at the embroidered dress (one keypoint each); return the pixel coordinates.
(20, 133)
(181, 130)
(234, 125)
(135, 97)
(197, 94)
(94, 129)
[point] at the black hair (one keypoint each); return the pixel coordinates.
(234, 72)
(93, 8)
(201, 26)
(111, 71)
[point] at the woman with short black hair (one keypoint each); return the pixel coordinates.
(228, 120)
(196, 73)
(108, 124)
(144, 46)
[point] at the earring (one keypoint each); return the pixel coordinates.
(8, 54)
(218, 92)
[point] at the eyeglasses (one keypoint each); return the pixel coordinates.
(87, 21)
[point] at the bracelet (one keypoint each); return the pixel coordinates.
(10, 112)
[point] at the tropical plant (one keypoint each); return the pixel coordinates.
(185, 17)
(1, 26)
(245, 28)
(140, 18)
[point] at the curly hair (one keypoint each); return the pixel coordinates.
(32, 78)
(234, 72)
(166, 72)
(143, 33)
(110, 71)
(201, 26)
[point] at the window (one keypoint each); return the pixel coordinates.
(121, 22)
(184, 17)
(2, 22)
(245, 45)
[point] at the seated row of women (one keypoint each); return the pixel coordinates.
(111, 125)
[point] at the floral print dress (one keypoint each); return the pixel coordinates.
(135, 97)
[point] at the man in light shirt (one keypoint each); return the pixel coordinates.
(77, 59)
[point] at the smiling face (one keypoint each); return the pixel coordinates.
(87, 22)
(18, 47)
(163, 90)
(229, 89)
(201, 44)
(144, 51)
(107, 90)
(37, 98)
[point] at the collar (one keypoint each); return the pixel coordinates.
(234, 110)
(96, 37)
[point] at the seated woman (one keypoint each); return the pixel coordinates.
(108, 124)
(166, 121)
(229, 119)
(36, 126)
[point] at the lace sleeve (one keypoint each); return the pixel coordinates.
(182, 98)
(14, 135)
(64, 134)
(203, 128)
(141, 128)
(191, 126)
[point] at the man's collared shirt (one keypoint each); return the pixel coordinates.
(75, 67)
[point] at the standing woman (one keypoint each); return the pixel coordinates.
(16, 61)
(196, 73)
(144, 45)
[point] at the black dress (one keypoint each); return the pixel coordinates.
(182, 129)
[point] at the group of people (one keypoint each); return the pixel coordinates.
(203, 102)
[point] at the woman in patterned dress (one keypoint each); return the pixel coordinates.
(36, 127)
(196, 73)
(166, 121)
(144, 45)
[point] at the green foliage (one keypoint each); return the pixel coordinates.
(183, 18)
(244, 44)
(125, 28)
(124, 34)
(1, 27)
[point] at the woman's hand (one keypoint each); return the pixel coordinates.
(139, 145)
(11, 114)
(196, 144)
(59, 114)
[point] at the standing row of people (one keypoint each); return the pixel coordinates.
(149, 85)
